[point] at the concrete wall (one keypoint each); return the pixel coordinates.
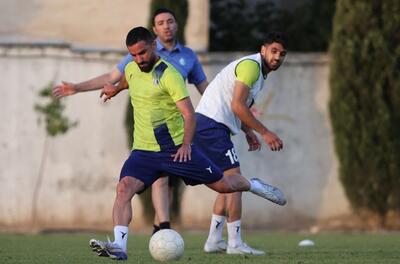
(82, 167)
(91, 23)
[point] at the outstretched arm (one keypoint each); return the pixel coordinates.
(68, 88)
(239, 107)
(109, 90)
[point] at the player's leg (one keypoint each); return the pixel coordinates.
(237, 183)
(234, 209)
(160, 198)
(126, 189)
(122, 216)
(138, 173)
(215, 242)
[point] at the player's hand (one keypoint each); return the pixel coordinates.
(64, 89)
(108, 92)
(184, 153)
(252, 140)
(273, 141)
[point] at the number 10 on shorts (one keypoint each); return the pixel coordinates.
(232, 155)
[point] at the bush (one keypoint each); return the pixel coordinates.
(365, 102)
(243, 28)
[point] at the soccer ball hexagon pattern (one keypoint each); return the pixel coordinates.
(166, 244)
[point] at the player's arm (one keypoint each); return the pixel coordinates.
(247, 73)
(110, 90)
(251, 137)
(185, 106)
(201, 87)
(197, 76)
(241, 110)
(68, 88)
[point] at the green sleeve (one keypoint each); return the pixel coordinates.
(175, 85)
(247, 71)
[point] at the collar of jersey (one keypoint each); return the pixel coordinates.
(160, 46)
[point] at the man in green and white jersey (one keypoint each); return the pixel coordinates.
(223, 111)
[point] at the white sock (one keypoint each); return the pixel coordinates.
(216, 228)
(234, 230)
(121, 236)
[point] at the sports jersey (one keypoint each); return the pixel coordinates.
(182, 58)
(217, 98)
(158, 121)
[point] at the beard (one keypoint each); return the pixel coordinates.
(147, 66)
(144, 67)
(274, 65)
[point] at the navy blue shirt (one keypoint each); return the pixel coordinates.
(182, 58)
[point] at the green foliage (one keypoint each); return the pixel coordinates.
(309, 26)
(365, 102)
(244, 27)
(52, 112)
(179, 7)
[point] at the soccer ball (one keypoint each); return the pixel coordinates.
(166, 244)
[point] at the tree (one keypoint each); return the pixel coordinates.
(309, 26)
(365, 102)
(244, 27)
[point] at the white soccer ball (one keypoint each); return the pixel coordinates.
(166, 244)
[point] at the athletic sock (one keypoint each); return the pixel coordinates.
(234, 230)
(216, 228)
(165, 225)
(155, 229)
(121, 236)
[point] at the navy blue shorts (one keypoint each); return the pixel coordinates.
(214, 140)
(148, 166)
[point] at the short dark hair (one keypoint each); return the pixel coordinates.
(160, 11)
(138, 34)
(275, 36)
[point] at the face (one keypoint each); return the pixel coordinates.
(273, 55)
(144, 55)
(165, 27)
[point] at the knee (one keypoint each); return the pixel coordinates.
(122, 190)
(223, 186)
(232, 184)
(161, 182)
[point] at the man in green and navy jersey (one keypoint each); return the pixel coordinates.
(163, 133)
(182, 58)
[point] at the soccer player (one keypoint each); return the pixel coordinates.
(163, 132)
(187, 64)
(224, 110)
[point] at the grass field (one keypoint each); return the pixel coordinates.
(281, 248)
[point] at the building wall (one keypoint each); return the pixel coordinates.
(81, 168)
(91, 23)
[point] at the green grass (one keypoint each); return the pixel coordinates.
(280, 247)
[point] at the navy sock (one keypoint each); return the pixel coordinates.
(155, 229)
